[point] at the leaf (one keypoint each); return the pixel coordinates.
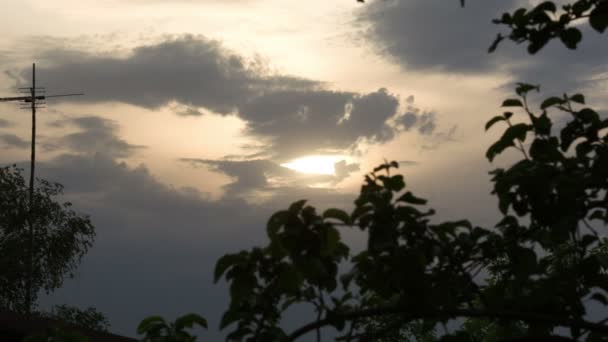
(408, 197)
(598, 18)
(588, 115)
(276, 221)
(494, 120)
(523, 88)
(512, 103)
(552, 101)
(223, 264)
(229, 317)
(508, 139)
(337, 214)
(394, 183)
(600, 298)
(596, 215)
(545, 150)
(524, 259)
(542, 124)
(578, 98)
(588, 239)
(499, 38)
(148, 323)
(547, 6)
(571, 37)
(290, 280)
(332, 238)
(296, 207)
(189, 320)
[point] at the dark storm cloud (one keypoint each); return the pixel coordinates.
(191, 70)
(248, 175)
(156, 245)
(293, 116)
(558, 69)
(5, 123)
(11, 140)
(96, 135)
(434, 34)
(437, 34)
(265, 175)
(298, 122)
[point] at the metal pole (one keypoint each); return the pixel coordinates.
(29, 296)
(30, 257)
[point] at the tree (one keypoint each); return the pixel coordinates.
(533, 272)
(89, 318)
(61, 238)
(544, 258)
(156, 329)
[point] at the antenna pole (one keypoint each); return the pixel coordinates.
(36, 97)
(30, 275)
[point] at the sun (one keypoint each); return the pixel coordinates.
(321, 165)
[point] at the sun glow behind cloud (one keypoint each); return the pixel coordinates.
(322, 165)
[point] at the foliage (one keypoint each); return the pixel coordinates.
(56, 335)
(390, 328)
(543, 256)
(546, 21)
(89, 318)
(156, 329)
(61, 237)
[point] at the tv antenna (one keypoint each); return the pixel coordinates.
(35, 99)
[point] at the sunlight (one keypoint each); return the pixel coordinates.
(323, 165)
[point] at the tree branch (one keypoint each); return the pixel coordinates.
(446, 314)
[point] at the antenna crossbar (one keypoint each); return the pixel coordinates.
(34, 100)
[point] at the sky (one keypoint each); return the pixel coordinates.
(203, 117)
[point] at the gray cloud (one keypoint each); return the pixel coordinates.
(254, 175)
(96, 135)
(156, 245)
(558, 69)
(435, 34)
(300, 123)
(5, 123)
(191, 70)
(343, 169)
(293, 116)
(11, 140)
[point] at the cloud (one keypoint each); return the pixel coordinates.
(291, 116)
(304, 122)
(191, 70)
(151, 238)
(434, 34)
(96, 135)
(156, 245)
(343, 169)
(558, 69)
(11, 140)
(250, 177)
(5, 123)
(438, 35)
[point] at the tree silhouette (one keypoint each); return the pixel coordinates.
(531, 274)
(61, 238)
(536, 269)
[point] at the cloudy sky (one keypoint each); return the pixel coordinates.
(202, 117)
